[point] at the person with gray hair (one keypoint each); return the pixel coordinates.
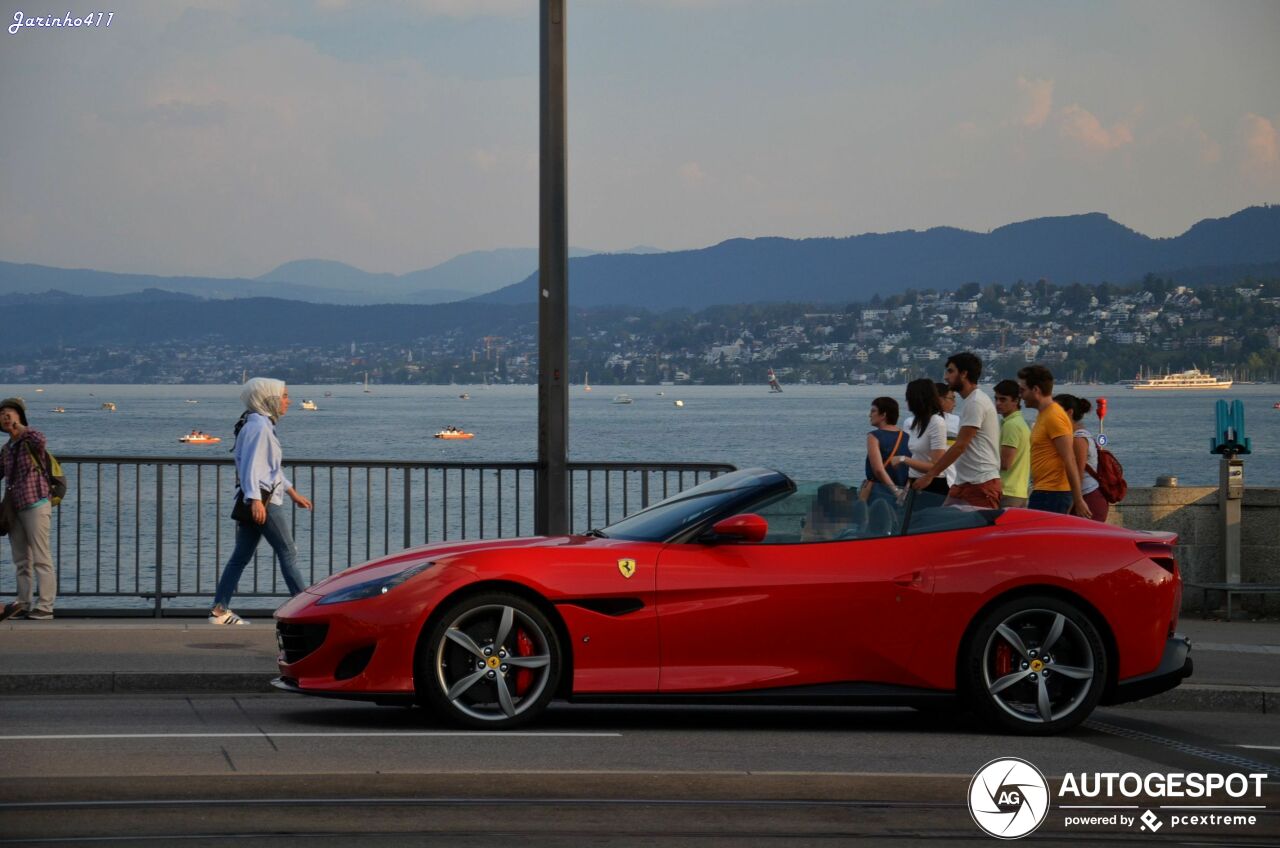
(261, 485)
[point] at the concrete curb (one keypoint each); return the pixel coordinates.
(1196, 697)
(135, 683)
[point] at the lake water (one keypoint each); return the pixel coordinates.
(810, 432)
(111, 552)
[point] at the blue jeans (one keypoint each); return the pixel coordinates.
(1050, 501)
(277, 534)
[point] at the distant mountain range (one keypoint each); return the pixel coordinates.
(309, 280)
(1088, 248)
(55, 319)
(1079, 248)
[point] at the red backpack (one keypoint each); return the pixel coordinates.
(1110, 477)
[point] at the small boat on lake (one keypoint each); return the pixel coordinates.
(464, 396)
(678, 403)
(774, 386)
(190, 400)
(109, 406)
(454, 433)
(310, 405)
(623, 398)
(199, 437)
(59, 409)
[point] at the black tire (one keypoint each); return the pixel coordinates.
(1020, 675)
(468, 676)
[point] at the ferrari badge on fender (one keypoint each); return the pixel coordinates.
(627, 567)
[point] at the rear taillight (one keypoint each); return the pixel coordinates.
(1161, 553)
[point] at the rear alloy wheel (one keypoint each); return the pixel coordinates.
(492, 661)
(1035, 665)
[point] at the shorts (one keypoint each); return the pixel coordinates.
(982, 495)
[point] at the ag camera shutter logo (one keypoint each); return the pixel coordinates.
(1008, 798)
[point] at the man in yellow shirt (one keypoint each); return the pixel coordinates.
(1015, 445)
(1054, 475)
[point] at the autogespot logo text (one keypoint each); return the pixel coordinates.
(1008, 798)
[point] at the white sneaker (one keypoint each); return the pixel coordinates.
(227, 617)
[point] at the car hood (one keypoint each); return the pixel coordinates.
(439, 552)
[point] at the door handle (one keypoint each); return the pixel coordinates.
(911, 578)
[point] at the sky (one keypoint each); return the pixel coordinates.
(214, 138)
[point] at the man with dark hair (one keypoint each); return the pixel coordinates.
(1054, 474)
(976, 452)
(1015, 445)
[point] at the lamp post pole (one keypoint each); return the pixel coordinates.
(551, 491)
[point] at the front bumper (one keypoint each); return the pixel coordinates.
(362, 650)
(1175, 666)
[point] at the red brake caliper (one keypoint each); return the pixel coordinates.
(524, 648)
(1004, 659)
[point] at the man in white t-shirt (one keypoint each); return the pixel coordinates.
(976, 452)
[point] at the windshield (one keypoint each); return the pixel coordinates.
(727, 493)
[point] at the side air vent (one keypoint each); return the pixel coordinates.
(354, 663)
(606, 606)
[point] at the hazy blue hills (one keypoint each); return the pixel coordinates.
(310, 280)
(149, 317)
(1088, 248)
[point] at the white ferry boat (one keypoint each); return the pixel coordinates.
(1193, 379)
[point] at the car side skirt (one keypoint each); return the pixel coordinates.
(829, 694)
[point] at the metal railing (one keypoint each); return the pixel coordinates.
(134, 532)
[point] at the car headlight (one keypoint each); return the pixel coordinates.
(374, 588)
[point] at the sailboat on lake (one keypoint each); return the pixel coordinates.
(774, 386)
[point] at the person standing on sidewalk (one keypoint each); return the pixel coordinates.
(1086, 453)
(27, 490)
(976, 453)
(262, 485)
(1054, 478)
(1015, 445)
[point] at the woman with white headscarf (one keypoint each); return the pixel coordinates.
(261, 483)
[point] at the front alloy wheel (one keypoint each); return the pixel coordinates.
(491, 661)
(1036, 666)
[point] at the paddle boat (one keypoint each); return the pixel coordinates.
(454, 433)
(198, 437)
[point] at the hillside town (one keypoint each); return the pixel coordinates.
(1087, 333)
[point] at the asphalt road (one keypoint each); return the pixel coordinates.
(220, 770)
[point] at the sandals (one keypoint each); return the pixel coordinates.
(226, 617)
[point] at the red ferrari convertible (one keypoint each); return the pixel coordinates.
(749, 589)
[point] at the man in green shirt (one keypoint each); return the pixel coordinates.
(1015, 445)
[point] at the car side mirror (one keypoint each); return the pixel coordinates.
(747, 527)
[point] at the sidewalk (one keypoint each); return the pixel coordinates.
(1237, 664)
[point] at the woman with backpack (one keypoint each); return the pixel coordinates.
(260, 489)
(1086, 453)
(28, 510)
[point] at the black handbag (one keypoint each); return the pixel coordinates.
(240, 509)
(8, 515)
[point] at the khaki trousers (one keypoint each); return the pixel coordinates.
(29, 540)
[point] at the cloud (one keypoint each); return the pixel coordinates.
(692, 174)
(1261, 141)
(1081, 126)
(1210, 150)
(1037, 101)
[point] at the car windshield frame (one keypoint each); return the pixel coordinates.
(684, 515)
